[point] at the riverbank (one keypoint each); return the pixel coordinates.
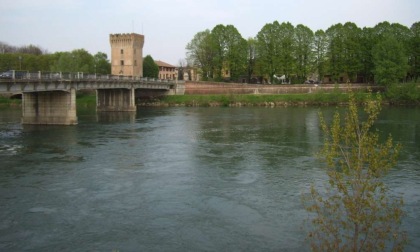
(293, 95)
(407, 94)
(279, 100)
(248, 100)
(221, 100)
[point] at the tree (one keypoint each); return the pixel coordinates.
(150, 68)
(26, 49)
(82, 61)
(391, 66)
(352, 50)
(344, 51)
(304, 38)
(78, 60)
(335, 51)
(6, 48)
(320, 50)
(182, 69)
(237, 53)
(34, 58)
(63, 62)
(286, 34)
(251, 57)
(415, 51)
(101, 63)
(201, 54)
(356, 213)
(268, 50)
(220, 49)
(367, 42)
(390, 61)
(230, 51)
(30, 49)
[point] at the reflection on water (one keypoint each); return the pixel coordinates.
(176, 179)
(116, 116)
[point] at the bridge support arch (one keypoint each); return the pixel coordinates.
(115, 99)
(49, 107)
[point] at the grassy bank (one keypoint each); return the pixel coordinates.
(7, 102)
(310, 99)
(86, 100)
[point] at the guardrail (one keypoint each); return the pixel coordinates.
(25, 75)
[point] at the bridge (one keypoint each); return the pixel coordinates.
(50, 98)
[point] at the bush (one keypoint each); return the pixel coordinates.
(403, 93)
(356, 213)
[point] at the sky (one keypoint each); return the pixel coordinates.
(169, 25)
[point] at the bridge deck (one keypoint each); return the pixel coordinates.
(37, 82)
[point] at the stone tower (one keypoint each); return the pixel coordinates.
(127, 54)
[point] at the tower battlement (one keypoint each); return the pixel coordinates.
(126, 38)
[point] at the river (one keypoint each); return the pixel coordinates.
(177, 179)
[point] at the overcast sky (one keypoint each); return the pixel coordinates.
(168, 25)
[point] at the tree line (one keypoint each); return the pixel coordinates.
(386, 53)
(33, 58)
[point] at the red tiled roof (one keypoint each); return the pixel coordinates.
(163, 64)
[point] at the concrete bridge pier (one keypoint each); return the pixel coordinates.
(115, 99)
(49, 107)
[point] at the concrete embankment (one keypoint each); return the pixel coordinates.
(206, 88)
(211, 94)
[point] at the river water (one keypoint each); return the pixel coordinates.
(177, 179)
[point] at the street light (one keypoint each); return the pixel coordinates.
(73, 64)
(20, 62)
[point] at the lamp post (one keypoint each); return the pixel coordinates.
(73, 63)
(20, 62)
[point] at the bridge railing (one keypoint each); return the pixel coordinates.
(47, 75)
(25, 75)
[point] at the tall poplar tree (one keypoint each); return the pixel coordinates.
(352, 50)
(268, 50)
(287, 41)
(251, 57)
(390, 61)
(304, 39)
(367, 42)
(320, 47)
(335, 51)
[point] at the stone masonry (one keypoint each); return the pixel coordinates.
(127, 54)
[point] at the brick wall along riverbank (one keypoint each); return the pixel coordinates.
(206, 88)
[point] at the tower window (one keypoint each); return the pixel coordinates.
(122, 51)
(135, 62)
(122, 62)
